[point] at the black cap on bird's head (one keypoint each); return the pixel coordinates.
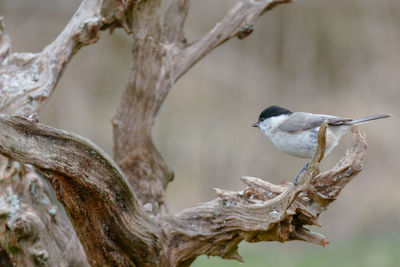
(271, 111)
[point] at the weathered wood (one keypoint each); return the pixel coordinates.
(27, 80)
(147, 87)
(34, 230)
(161, 55)
(117, 232)
(261, 212)
(99, 201)
(115, 204)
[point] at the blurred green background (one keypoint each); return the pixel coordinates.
(339, 57)
(367, 251)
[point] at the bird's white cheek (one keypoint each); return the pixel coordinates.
(265, 129)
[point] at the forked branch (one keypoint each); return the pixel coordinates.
(27, 80)
(160, 56)
(94, 190)
(262, 211)
(238, 22)
(104, 203)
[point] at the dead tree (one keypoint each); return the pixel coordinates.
(112, 204)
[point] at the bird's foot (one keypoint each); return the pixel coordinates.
(299, 173)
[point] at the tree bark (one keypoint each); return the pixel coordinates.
(94, 190)
(114, 204)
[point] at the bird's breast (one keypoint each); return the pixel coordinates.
(297, 144)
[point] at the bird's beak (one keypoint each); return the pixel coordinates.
(255, 124)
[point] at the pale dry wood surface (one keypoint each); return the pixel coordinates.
(113, 205)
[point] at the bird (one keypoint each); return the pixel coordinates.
(296, 133)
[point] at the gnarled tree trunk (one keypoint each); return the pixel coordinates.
(111, 207)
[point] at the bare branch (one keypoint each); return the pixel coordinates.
(249, 215)
(98, 196)
(4, 44)
(329, 184)
(261, 212)
(27, 80)
(148, 85)
(238, 22)
(160, 57)
(93, 190)
(91, 187)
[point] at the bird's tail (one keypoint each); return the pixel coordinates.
(369, 118)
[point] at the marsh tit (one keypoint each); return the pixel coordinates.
(296, 133)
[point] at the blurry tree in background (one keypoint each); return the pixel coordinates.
(327, 57)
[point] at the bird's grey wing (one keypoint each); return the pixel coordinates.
(301, 121)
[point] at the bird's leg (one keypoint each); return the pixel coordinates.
(300, 172)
